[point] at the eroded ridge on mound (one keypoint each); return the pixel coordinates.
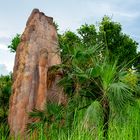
(37, 52)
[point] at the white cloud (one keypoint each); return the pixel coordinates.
(7, 59)
(3, 47)
(127, 14)
(3, 69)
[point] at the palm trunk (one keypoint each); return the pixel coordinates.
(106, 112)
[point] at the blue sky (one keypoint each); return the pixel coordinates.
(69, 14)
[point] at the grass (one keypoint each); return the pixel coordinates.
(125, 126)
(4, 131)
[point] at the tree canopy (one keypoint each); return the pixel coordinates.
(119, 44)
(108, 34)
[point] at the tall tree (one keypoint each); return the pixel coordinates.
(118, 43)
(88, 34)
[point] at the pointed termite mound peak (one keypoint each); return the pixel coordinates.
(36, 53)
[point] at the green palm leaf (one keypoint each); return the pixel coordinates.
(119, 95)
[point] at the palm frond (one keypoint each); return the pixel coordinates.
(93, 115)
(119, 95)
(31, 127)
(108, 72)
(37, 114)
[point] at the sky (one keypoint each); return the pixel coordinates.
(68, 14)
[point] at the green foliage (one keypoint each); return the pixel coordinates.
(56, 26)
(137, 62)
(118, 43)
(93, 116)
(87, 125)
(120, 95)
(14, 43)
(124, 126)
(109, 35)
(50, 116)
(88, 34)
(95, 61)
(4, 131)
(67, 42)
(5, 92)
(97, 80)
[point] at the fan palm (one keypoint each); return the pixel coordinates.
(94, 75)
(42, 119)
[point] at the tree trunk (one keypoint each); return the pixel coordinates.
(106, 112)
